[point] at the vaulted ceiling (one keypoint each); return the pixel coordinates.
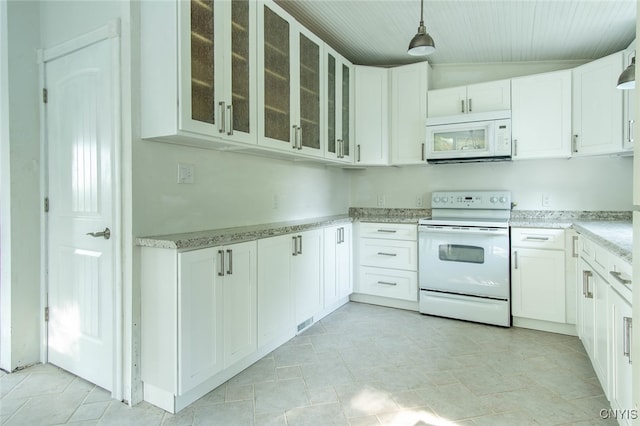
(377, 32)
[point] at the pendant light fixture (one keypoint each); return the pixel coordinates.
(627, 79)
(421, 44)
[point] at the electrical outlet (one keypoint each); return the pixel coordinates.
(546, 200)
(186, 173)
(381, 200)
(418, 200)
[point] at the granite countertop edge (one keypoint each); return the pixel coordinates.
(217, 237)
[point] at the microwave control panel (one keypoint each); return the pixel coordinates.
(493, 200)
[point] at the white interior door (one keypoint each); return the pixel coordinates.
(81, 140)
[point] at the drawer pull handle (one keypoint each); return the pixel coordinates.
(387, 283)
(585, 284)
(380, 253)
(390, 231)
(618, 276)
(530, 238)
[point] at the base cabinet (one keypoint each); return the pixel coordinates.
(621, 353)
(605, 322)
(307, 275)
(338, 281)
(198, 320)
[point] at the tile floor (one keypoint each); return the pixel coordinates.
(362, 365)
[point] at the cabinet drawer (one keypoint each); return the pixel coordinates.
(620, 276)
(389, 231)
(537, 238)
(389, 254)
(389, 283)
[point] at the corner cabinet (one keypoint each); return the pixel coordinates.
(409, 85)
(597, 107)
(541, 115)
(198, 320)
(339, 101)
(207, 62)
(372, 116)
(290, 86)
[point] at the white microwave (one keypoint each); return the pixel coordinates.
(469, 137)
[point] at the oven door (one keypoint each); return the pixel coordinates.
(464, 260)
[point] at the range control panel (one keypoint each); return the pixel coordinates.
(494, 200)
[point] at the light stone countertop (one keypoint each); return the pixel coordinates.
(612, 230)
(218, 237)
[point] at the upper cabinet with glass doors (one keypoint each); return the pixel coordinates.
(208, 61)
(290, 83)
(339, 104)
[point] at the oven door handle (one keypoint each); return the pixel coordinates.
(463, 230)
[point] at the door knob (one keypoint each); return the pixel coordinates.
(106, 234)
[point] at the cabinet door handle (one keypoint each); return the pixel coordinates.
(515, 259)
(230, 266)
(585, 282)
(390, 231)
(618, 276)
(381, 253)
(470, 108)
(294, 137)
(627, 326)
(462, 109)
(230, 109)
(630, 130)
(534, 238)
(422, 151)
(574, 248)
(515, 147)
(359, 158)
(221, 259)
(222, 125)
(574, 146)
(387, 283)
(295, 246)
(299, 138)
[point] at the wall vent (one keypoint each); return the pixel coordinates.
(305, 324)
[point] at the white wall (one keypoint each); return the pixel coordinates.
(21, 194)
(590, 183)
(451, 75)
(230, 189)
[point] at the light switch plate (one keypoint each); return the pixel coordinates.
(186, 173)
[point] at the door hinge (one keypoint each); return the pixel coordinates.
(46, 314)
(46, 204)
(45, 95)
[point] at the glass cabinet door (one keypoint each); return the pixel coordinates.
(346, 111)
(240, 67)
(331, 105)
(277, 78)
(202, 61)
(309, 93)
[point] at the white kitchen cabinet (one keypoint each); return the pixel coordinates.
(200, 53)
(538, 275)
(339, 104)
(198, 320)
(276, 323)
(597, 107)
(480, 97)
(338, 277)
(601, 329)
(541, 115)
(307, 275)
(387, 264)
(371, 115)
(586, 325)
(621, 385)
(409, 85)
(629, 97)
(200, 304)
(290, 85)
